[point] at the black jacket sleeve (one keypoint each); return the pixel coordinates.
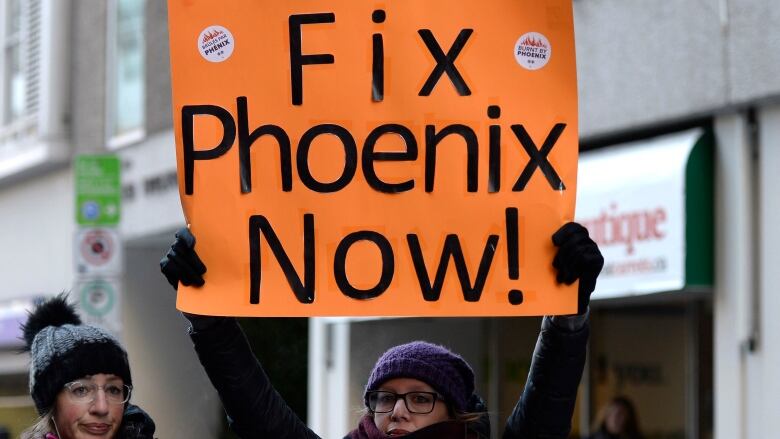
(545, 409)
(255, 409)
(136, 424)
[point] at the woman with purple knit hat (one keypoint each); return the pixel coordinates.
(417, 390)
(420, 386)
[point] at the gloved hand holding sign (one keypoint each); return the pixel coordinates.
(578, 257)
(182, 264)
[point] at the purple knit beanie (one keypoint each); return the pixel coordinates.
(445, 371)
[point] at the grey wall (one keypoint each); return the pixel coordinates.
(158, 67)
(642, 63)
(754, 58)
(88, 76)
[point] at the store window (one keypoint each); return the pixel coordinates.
(19, 37)
(33, 90)
(19, 77)
(126, 72)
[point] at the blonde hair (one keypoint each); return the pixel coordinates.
(43, 425)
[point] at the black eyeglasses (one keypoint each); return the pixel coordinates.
(421, 403)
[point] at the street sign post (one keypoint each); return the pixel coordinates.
(97, 244)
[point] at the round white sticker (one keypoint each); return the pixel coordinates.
(216, 43)
(533, 51)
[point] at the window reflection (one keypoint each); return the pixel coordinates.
(14, 66)
(128, 78)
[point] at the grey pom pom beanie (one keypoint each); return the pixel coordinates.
(62, 350)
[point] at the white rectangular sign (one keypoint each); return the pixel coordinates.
(632, 200)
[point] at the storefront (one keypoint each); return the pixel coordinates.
(649, 205)
(16, 407)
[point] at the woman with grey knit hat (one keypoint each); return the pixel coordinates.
(417, 390)
(79, 379)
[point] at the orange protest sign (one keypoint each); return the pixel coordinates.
(375, 158)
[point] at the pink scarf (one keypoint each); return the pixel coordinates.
(367, 430)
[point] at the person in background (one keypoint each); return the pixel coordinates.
(79, 379)
(417, 390)
(617, 420)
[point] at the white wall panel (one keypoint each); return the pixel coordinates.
(36, 234)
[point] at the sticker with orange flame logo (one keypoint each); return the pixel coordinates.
(216, 43)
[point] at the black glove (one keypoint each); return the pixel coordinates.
(578, 257)
(182, 263)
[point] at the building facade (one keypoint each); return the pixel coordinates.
(92, 77)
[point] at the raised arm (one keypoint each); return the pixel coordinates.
(545, 408)
(254, 408)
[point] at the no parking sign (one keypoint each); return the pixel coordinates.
(98, 251)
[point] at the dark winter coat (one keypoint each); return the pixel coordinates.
(603, 434)
(256, 410)
(136, 424)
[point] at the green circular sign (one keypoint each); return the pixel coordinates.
(97, 297)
